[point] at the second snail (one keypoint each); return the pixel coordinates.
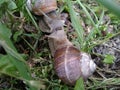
(46, 6)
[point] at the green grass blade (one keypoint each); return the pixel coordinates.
(91, 10)
(87, 13)
(112, 5)
(95, 27)
(101, 18)
(76, 23)
(33, 21)
(100, 83)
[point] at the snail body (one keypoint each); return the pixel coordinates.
(69, 62)
(41, 6)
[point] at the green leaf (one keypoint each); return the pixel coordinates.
(65, 87)
(6, 66)
(16, 59)
(2, 1)
(5, 35)
(17, 34)
(39, 84)
(11, 5)
(109, 59)
(19, 62)
(5, 31)
(79, 84)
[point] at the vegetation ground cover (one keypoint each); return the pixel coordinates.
(25, 59)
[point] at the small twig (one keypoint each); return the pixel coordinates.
(101, 75)
(29, 45)
(106, 39)
(112, 47)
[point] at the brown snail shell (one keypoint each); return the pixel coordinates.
(70, 64)
(39, 6)
(66, 63)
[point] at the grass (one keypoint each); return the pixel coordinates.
(25, 55)
(115, 6)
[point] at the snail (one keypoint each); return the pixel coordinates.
(39, 6)
(70, 64)
(49, 20)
